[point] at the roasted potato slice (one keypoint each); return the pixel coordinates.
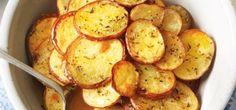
(200, 50)
(41, 60)
(185, 16)
(130, 3)
(172, 22)
(125, 78)
(52, 100)
(150, 12)
(174, 54)
(64, 32)
(90, 62)
(182, 98)
(40, 32)
(154, 83)
(144, 42)
(97, 25)
(57, 67)
(74, 5)
(62, 6)
(75, 101)
(101, 97)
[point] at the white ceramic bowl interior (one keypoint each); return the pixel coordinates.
(215, 17)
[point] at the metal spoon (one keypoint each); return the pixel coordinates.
(32, 72)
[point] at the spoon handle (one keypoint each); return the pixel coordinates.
(32, 72)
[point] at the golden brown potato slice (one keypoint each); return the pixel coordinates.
(174, 54)
(154, 83)
(75, 101)
(62, 6)
(144, 42)
(125, 78)
(41, 60)
(151, 12)
(90, 62)
(74, 5)
(130, 3)
(97, 25)
(64, 32)
(200, 50)
(57, 67)
(185, 16)
(52, 100)
(40, 32)
(172, 22)
(182, 98)
(101, 97)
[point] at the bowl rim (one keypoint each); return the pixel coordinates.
(10, 87)
(7, 79)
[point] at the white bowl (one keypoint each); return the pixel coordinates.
(216, 17)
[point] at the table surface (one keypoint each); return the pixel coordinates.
(5, 104)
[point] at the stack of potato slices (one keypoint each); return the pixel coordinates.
(121, 55)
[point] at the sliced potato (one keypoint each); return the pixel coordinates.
(52, 100)
(41, 60)
(90, 62)
(151, 12)
(75, 101)
(185, 16)
(57, 67)
(174, 54)
(130, 3)
(155, 83)
(182, 98)
(125, 78)
(200, 50)
(64, 32)
(62, 6)
(172, 22)
(97, 25)
(74, 5)
(114, 107)
(101, 97)
(144, 42)
(40, 32)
